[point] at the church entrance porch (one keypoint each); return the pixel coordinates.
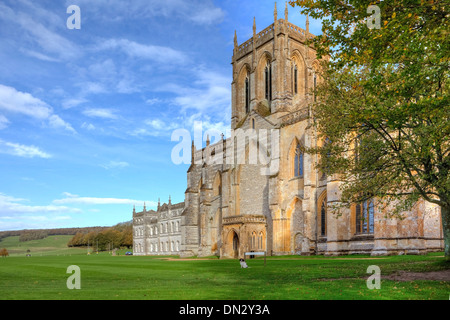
(231, 243)
(243, 233)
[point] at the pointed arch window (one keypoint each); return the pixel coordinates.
(217, 185)
(298, 161)
(295, 78)
(315, 86)
(323, 217)
(364, 216)
(247, 95)
(260, 241)
(268, 81)
(253, 240)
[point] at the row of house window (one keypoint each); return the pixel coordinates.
(164, 228)
(167, 246)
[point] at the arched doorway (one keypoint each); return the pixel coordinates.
(235, 245)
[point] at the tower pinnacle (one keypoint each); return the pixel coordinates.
(275, 13)
(307, 24)
(286, 13)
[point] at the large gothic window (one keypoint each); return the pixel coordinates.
(268, 81)
(298, 162)
(364, 214)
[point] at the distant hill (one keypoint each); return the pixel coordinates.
(51, 245)
(51, 232)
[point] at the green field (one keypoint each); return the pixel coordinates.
(104, 276)
(52, 245)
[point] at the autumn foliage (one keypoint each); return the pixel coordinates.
(4, 252)
(117, 236)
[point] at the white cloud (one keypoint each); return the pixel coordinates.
(39, 55)
(13, 101)
(56, 122)
(36, 33)
(150, 52)
(207, 16)
(88, 87)
(115, 165)
(21, 150)
(3, 122)
(155, 128)
(153, 101)
(209, 92)
(11, 205)
(27, 221)
(100, 113)
(142, 132)
(158, 124)
(100, 201)
(73, 102)
(199, 12)
(88, 126)
(204, 100)
(199, 122)
(69, 195)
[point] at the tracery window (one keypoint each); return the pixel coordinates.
(364, 217)
(260, 240)
(298, 162)
(253, 240)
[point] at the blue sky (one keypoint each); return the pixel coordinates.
(86, 116)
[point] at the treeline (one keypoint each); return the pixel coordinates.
(33, 235)
(49, 232)
(120, 235)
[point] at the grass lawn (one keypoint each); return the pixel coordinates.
(135, 277)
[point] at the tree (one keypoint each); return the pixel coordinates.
(383, 104)
(4, 252)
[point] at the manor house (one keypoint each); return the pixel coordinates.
(158, 232)
(280, 202)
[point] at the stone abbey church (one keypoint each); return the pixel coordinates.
(278, 206)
